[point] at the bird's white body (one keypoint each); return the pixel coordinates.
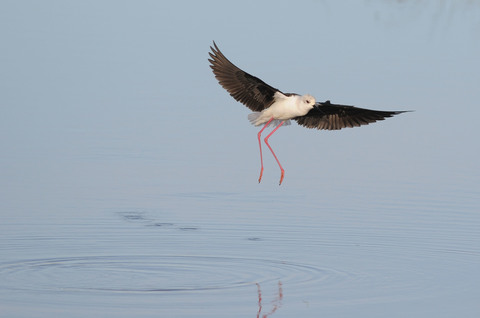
(283, 108)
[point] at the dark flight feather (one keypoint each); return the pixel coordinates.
(245, 88)
(330, 116)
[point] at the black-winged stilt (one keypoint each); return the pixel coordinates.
(271, 107)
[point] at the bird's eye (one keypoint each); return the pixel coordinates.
(308, 102)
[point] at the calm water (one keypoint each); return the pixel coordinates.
(129, 177)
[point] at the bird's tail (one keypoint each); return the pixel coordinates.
(255, 119)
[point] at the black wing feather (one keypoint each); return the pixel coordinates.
(245, 88)
(330, 116)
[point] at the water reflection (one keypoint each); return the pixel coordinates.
(276, 303)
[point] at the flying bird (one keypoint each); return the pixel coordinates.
(272, 107)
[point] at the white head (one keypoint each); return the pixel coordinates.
(308, 100)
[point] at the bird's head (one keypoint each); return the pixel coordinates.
(308, 100)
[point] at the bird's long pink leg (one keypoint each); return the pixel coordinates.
(260, 145)
(266, 141)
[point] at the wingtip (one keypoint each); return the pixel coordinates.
(213, 54)
(403, 111)
(215, 47)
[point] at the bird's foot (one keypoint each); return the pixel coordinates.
(281, 177)
(261, 174)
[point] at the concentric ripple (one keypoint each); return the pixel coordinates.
(147, 274)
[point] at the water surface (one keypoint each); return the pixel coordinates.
(129, 176)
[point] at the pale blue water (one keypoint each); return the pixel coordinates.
(129, 176)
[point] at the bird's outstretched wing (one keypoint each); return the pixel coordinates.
(330, 116)
(245, 88)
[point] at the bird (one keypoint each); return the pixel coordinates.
(272, 107)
